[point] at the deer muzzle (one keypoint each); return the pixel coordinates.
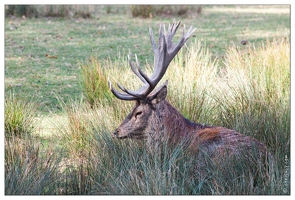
(116, 134)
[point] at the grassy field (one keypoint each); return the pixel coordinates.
(58, 130)
(30, 74)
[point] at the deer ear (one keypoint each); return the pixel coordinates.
(159, 94)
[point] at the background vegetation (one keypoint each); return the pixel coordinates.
(59, 112)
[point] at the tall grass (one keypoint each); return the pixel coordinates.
(111, 166)
(19, 117)
(94, 81)
(192, 77)
(255, 93)
(29, 168)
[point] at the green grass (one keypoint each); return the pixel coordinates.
(246, 88)
(19, 117)
(30, 74)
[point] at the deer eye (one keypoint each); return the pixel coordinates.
(138, 113)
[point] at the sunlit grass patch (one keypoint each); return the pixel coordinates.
(255, 94)
(19, 117)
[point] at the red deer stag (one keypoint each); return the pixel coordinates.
(154, 119)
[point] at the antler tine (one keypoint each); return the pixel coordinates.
(190, 32)
(184, 38)
(129, 96)
(171, 33)
(135, 70)
(161, 35)
(152, 40)
(134, 94)
(120, 95)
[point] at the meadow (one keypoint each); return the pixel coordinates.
(59, 112)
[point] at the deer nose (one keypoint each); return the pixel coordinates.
(115, 133)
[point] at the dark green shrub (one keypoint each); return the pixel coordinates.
(144, 11)
(149, 11)
(21, 10)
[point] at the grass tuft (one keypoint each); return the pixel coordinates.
(19, 117)
(29, 168)
(94, 81)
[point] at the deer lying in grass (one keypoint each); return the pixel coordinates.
(154, 119)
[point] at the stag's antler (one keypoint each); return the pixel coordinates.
(163, 55)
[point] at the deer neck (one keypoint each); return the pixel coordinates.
(168, 123)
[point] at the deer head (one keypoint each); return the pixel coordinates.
(148, 115)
